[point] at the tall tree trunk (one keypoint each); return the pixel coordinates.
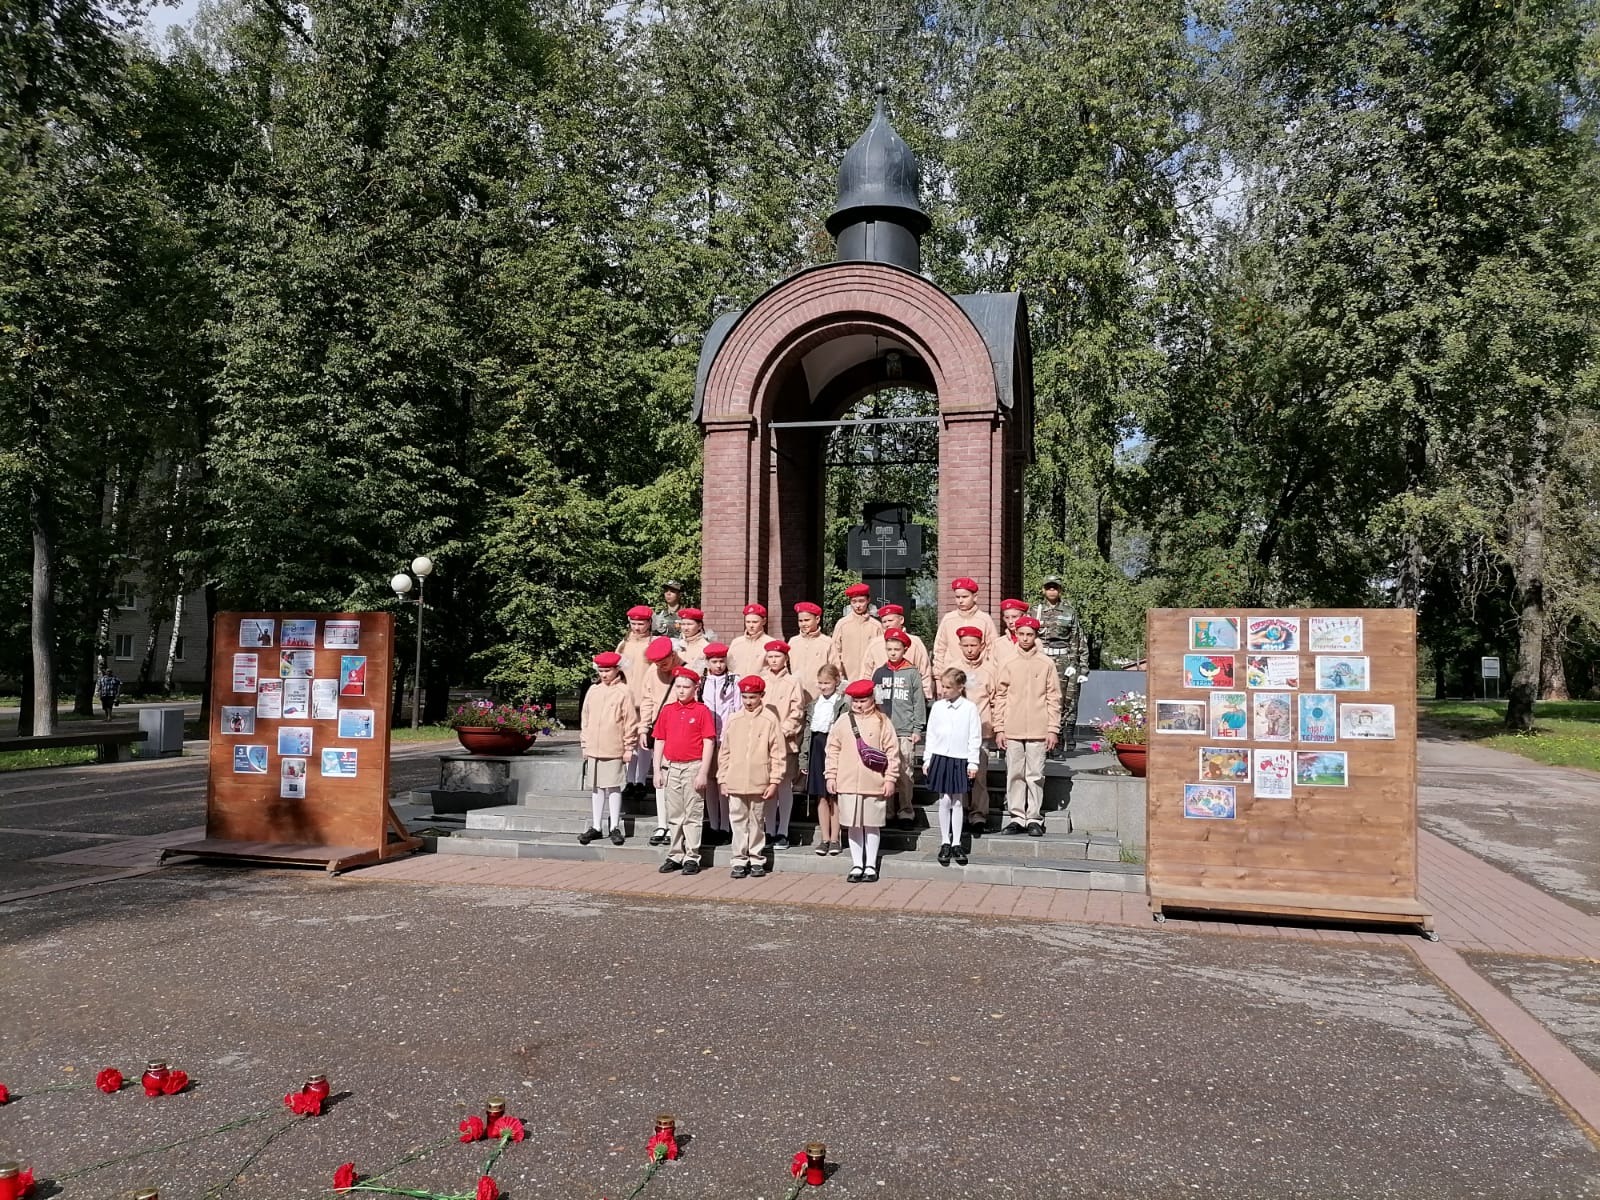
(1530, 603)
(1552, 668)
(43, 632)
(25, 712)
(172, 642)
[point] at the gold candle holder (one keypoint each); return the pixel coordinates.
(667, 1123)
(816, 1154)
(493, 1109)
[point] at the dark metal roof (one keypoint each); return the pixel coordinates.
(879, 179)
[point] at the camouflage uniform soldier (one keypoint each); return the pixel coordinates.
(1061, 637)
(664, 621)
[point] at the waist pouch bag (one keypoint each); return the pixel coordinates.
(872, 758)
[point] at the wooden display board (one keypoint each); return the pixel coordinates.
(1282, 768)
(299, 751)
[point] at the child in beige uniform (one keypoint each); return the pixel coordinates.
(747, 653)
(786, 702)
(1004, 647)
(810, 648)
(979, 668)
(946, 646)
(863, 789)
(750, 762)
(607, 731)
(1027, 716)
(854, 634)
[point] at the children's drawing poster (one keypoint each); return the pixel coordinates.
(324, 699)
(1272, 672)
(299, 635)
(1276, 635)
(353, 675)
(238, 719)
(1224, 764)
(269, 700)
(1337, 635)
(1181, 716)
(1366, 722)
(1229, 716)
(339, 764)
(296, 699)
(246, 672)
(1208, 670)
(249, 760)
(1210, 801)
(1319, 717)
(1273, 717)
(292, 779)
(1274, 774)
(294, 739)
(1321, 768)
(1213, 633)
(341, 635)
(355, 723)
(1342, 673)
(296, 664)
(256, 631)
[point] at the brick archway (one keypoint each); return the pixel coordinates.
(762, 486)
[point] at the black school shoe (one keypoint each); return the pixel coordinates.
(659, 838)
(691, 867)
(616, 835)
(1014, 827)
(588, 835)
(740, 871)
(1035, 829)
(670, 866)
(960, 855)
(781, 842)
(944, 855)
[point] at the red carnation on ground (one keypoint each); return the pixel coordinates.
(109, 1080)
(345, 1178)
(661, 1145)
(4, 1094)
(174, 1083)
(472, 1129)
(487, 1189)
(304, 1104)
(503, 1125)
(799, 1163)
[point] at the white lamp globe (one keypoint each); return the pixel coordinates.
(422, 565)
(401, 584)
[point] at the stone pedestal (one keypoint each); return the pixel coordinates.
(551, 767)
(1111, 804)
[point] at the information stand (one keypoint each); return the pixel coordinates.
(1282, 768)
(299, 751)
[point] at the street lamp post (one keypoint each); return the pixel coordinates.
(421, 567)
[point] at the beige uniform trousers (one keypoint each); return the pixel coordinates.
(748, 814)
(902, 786)
(686, 811)
(1025, 781)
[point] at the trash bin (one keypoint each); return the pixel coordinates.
(162, 725)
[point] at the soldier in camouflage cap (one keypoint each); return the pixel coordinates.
(1061, 637)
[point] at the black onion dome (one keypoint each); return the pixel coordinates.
(880, 183)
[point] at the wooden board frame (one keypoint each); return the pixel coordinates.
(340, 822)
(1330, 853)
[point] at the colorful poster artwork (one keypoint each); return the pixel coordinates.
(299, 635)
(256, 631)
(1208, 670)
(249, 760)
(1272, 672)
(1342, 673)
(1319, 717)
(1321, 768)
(1213, 633)
(238, 720)
(1181, 716)
(341, 635)
(294, 739)
(355, 723)
(246, 672)
(1274, 718)
(1224, 764)
(1230, 718)
(296, 664)
(1337, 635)
(324, 699)
(1210, 801)
(269, 700)
(353, 675)
(1366, 722)
(1274, 774)
(292, 779)
(339, 764)
(1276, 635)
(296, 699)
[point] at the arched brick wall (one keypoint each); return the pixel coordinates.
(758, 539)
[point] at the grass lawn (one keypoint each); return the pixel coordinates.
(58, 756)
(1566, 732)
(425, 733)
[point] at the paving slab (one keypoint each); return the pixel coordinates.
(1563, 994)
(938, 1056)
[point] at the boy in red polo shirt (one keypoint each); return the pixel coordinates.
(685, 735)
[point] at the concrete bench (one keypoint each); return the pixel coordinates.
(113, 745)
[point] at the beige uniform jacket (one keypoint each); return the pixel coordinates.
(980, 690)
(846, 772)
(916, 655)
(633, 661)
(609, 726)
(786, 702)
(1003, 649)
(1027, 697)
(852, 637)
(694, 653)
(806, 655)
(947, 646)
(652, 694)
(747, 656)
(752, 755)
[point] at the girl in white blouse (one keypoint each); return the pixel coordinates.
(954, 737)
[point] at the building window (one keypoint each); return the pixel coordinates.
(177, 651)
(127, 598)
(124, 651)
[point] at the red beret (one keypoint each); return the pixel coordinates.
(970, 585)
(969, 631)
(1027, 622)
(897, 635)
(715, 650)
(1016, 604)
(658, 649)
(692, 614)
(777, 644)
(752, 683)
(858, 589)
(685, 673)
(641, 612)
(806, 606)
(755, 610)
(891, 610)
(861, 687)
(607, 658)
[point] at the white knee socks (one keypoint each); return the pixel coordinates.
(614, 799)
(603, 799)
(858, 846)
(952, 818)
(873, 839)
(597, 807)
